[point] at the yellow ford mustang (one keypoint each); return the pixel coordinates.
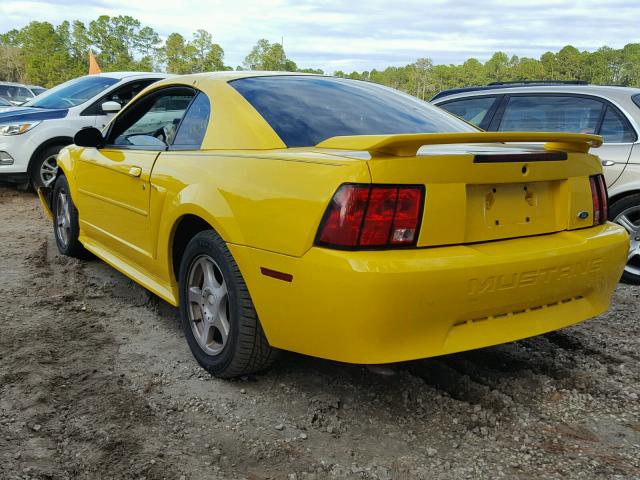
(338, 219)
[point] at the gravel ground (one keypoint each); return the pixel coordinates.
(96, 381)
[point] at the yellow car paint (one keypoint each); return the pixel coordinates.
(469, 283)
(45, 203)
(458, 189)
(113, 187)
(378, 306)
(408, 144)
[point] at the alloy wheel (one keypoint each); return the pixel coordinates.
(63, 217)
(208, 305)
(49, 170)
(630, 220)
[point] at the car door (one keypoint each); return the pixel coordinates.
(476, 110)
(619, 138)
(113, 182)
(570, 113)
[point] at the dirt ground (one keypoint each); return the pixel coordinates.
(96, 381)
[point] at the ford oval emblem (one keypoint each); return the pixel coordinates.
(583, 215)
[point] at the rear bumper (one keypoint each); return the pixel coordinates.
(388, 306)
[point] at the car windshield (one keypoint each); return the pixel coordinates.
(72, 93)
(15, 94)
(4, 103)
(38, 90)
(305, 110)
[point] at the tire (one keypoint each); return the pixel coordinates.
(626, 212)
(66, 227)
(214, 298)
(43, 170)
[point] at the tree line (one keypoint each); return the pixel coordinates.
(45, 54)
(605, 66)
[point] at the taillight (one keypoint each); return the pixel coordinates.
(372, 216)
(599, 198)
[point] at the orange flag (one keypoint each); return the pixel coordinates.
(93, 64)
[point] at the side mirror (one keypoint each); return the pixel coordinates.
(89, 137)
(111, 107)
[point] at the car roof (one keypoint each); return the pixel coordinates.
(234, 74)
(229, 75)
(123, 75)
(14, 84)
(229, 132)
(608, 91)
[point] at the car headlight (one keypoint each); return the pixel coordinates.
(17, 128)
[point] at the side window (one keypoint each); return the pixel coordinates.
(152, 121)
(551, 113)
(614, 129)
(122, 95)
(194, 124)
(473, 110)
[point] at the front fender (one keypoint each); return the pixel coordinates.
(66, 162)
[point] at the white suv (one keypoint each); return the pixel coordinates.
(32, 135)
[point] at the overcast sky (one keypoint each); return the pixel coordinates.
(353, 35)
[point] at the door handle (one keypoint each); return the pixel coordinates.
(135, 171)
(607, 163)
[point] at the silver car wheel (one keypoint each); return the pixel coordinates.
(49, 170)
(208, 307)
(63, 218)
(630, 220)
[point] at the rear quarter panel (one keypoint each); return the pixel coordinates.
(270, 201)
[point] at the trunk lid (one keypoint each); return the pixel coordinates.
(478, 190)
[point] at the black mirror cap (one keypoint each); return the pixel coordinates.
(89, 137)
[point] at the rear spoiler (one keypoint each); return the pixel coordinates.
(407, 145)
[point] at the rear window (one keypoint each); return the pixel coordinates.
(636, 99)
(304, 111)
(551, 113)
(473, 110)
